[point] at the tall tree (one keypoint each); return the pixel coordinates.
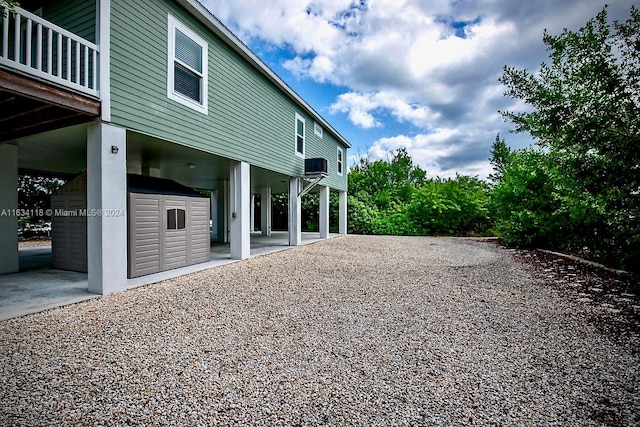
(500, 156)
(585, 112)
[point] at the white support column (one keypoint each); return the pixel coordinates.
(106, 208)
(8, 207)
(226, 211)
(104, 62)
(295, 212)
(265, 210)
(252, 216)
(342, 216)
(213, 233)
(240, 200)
(324, 212)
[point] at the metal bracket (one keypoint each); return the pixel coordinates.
(309, 187)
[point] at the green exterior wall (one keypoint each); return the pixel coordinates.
(77, 16)
(249, 118)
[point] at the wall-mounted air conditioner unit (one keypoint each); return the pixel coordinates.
(317, 166)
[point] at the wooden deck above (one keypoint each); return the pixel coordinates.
(30, 106)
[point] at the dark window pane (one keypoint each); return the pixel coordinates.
(171, 219)
(181, 218)
(188, 51)
(300, 144)
(300, 128)
(187, 83)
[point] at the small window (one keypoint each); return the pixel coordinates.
(299, 135)
(317, 129)
(339, 161)
(187, 67)
(175, 219)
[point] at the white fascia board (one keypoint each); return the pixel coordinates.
(199, 11)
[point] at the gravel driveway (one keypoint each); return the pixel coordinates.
(350, 331)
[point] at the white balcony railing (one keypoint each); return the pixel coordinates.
(40, 48)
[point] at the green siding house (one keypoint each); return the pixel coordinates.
(160, 88)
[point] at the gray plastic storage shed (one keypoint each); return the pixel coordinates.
(168, 225)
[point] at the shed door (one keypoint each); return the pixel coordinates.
(144, 234)
(69, 233)
(199, 237)
(175, 232)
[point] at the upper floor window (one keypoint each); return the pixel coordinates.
(187, 67)
(299, 135)
(339, 161)
(317, 129)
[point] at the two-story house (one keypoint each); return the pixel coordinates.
(160, 88)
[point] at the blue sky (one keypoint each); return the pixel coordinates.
(417, 74)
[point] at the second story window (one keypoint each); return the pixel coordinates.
(339, 161)
(187, 67)
(299, 135)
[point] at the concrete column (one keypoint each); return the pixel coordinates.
(213, 233)
(342, 215)
(252, 215)
(265, 210)
(106, 208)
(225, 212)
(149, 171)
(295, 212)
(8, 207)
(324, 212)
(240, 201)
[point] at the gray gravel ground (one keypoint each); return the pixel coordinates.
(350, 331)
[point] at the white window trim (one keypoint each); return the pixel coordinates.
(304, 139)
(173, 25)
(340, 153)
(317, 129)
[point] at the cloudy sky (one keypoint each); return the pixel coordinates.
(420, 74)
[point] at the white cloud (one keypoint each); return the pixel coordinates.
(369, 103)
(438, 153)
(433, 65)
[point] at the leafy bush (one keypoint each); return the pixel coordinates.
(580, 191)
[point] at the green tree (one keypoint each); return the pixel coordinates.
(451, 206)
(386, 182)
(524, 200)
(394, 196)
(500, 157)
(34, 193)
(9, 4)
(585, 113)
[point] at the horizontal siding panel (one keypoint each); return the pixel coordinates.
(249, 118)
(148, 227)
(77, 16)
(145, 263)
(148, 247)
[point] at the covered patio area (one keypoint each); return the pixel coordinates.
(39, 287)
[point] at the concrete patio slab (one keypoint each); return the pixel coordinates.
(38, 287)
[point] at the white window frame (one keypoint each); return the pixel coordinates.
(340, 161)
(304, 139)
(173, 25)
(317, 129)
